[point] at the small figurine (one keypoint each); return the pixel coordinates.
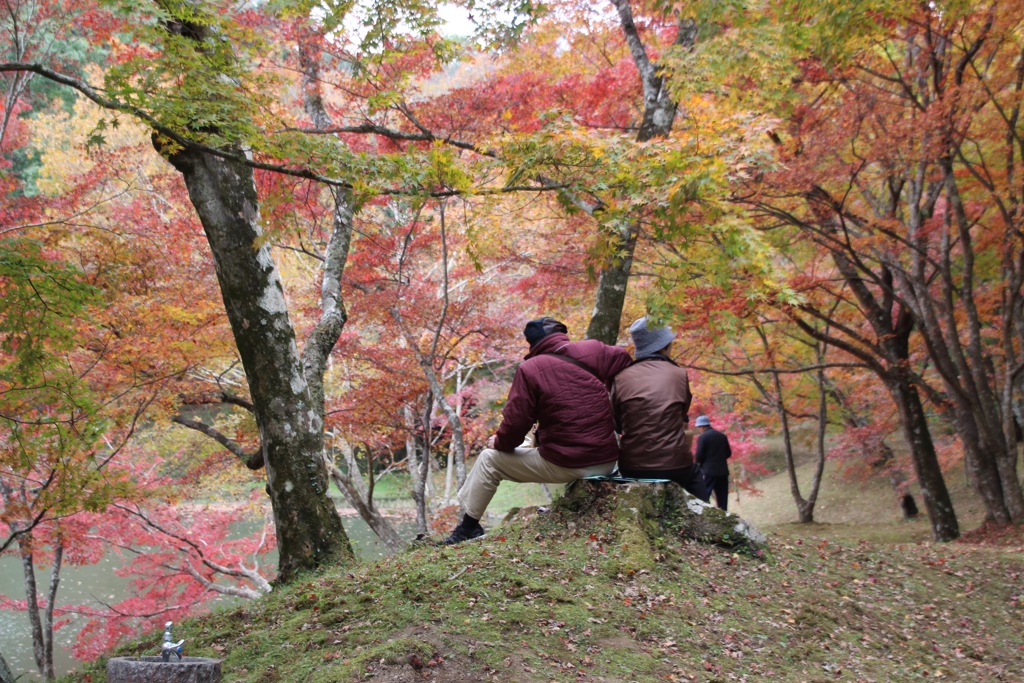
(168, 646)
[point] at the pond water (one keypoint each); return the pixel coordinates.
(99, 583)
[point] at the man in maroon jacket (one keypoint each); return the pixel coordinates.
(562, 387)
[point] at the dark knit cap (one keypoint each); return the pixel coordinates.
(536, 330)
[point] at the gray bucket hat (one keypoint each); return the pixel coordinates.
(649, 340)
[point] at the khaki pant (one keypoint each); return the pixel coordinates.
(525, 465)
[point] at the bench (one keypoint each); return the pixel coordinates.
(619, 479)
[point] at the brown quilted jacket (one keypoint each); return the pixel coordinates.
(651, 400)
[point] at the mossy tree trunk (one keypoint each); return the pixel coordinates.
(290, 421)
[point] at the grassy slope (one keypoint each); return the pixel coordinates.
(556, 599)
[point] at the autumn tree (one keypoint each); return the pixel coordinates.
(768, 379)
(619, 43)
(219, 178)
(52, 458)
(77, 272)
(659, 111)
(206, 87)
(179, 554)
(429, 317)
(59, 443)
(49, 465)
(902, 155)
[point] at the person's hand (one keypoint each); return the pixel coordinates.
(490, 440)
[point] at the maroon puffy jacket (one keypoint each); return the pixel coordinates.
(570, 405)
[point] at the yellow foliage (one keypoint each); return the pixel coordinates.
(62, 139)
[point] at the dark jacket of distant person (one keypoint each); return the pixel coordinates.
(712, 452)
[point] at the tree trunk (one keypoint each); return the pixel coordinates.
(358, 491)
(638, 515)
(943, 318)
(805, 512)
(428, 359)
(941, 289)
(412, 460)
(611, 286)
(460, 458)
(449, 476)
(895, 373)
(893, 324)
(1013, 495)
(819, 469)
(369, 512)
(309, 530)
(899, 381)
(426, 462)
(333, 315)
(51, 602)
(804, 506)
(658, 117)
(926, 463)
(39, 638)
(5, 671)
(980, 457)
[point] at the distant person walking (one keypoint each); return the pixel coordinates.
(652, 401)
(712, 452)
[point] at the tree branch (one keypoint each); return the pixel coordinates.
(773, 370)
(253, 461)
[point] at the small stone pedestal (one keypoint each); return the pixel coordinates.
(156, 670)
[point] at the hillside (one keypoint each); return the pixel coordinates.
(564, 596)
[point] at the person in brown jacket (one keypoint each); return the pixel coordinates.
(651, 399)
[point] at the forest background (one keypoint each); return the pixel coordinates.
(255, 252)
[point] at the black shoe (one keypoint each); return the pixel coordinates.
(464, 533)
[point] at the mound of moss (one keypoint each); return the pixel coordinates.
(628, 583)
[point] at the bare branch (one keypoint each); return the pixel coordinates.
(253, 460)
(773, 370)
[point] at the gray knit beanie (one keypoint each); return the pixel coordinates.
(649, 340)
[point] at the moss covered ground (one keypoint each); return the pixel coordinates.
(579, 596)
